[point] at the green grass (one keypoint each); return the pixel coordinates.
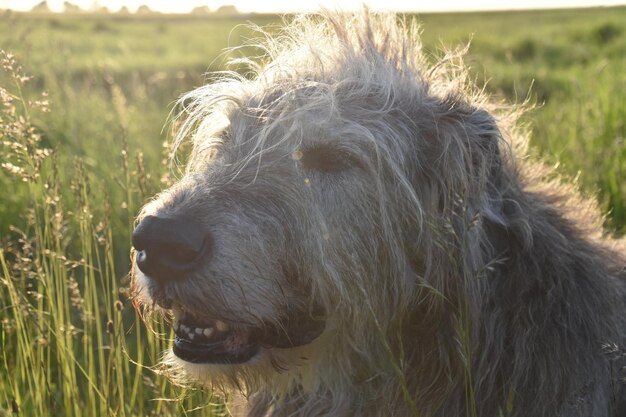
(70, 342)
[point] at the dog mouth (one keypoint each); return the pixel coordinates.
(215, 341)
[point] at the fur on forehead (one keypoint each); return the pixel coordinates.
(348, 71)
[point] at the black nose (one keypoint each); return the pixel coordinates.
(167, 248)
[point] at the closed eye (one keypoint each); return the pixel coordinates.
(327, 158)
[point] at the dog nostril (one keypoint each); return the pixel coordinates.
(168, 248)
(141, 257)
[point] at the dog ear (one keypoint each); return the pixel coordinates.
(489, 134)
(462, 171)
(462, 150)
(485, 148)
(503, 218)
(488, 140)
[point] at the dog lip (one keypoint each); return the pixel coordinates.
(215, 353)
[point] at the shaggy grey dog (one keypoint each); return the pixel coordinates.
(360, 233)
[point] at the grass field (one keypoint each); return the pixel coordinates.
(79, 162)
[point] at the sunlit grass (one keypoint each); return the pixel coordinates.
(71, 344)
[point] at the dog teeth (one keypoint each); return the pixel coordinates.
(221, 326)
(192, 333)
(198, 332)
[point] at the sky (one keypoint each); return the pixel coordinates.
(182, 6)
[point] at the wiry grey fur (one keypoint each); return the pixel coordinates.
(455, 276)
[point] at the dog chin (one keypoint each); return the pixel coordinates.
(214, 375)
(272, 363)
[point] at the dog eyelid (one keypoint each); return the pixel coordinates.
(326, 158)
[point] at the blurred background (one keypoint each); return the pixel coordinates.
(86, 88)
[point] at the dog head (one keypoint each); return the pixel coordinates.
(322, 204)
